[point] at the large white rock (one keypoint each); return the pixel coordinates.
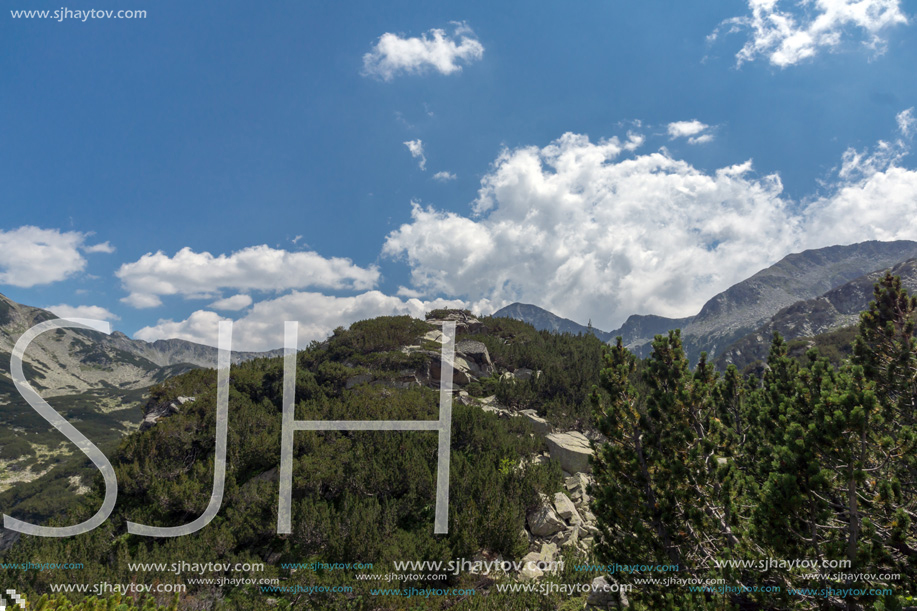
(565, 507)
(539, 425)
(530, 570)
(571, 450)
(543, 520)
(435, 336)
(476, 355)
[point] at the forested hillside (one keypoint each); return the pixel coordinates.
(358, 496)
(730, 481)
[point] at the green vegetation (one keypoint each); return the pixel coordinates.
(115, 602)
(358, 496)
(29, 445)
(813, 461)
(569, 366)
(813, 456)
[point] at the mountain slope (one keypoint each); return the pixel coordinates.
(835, 309)
(544, 320)
(742, 308)
(95, 379)
(358, 496)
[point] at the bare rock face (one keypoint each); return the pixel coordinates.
(161, 410)
(603, 595)
(464, 322)
(837, 308)
(476, 355)
(572, 450)
(543, 520)
(539, 425)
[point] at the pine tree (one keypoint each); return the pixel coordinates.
(886, 350)
(660, 496)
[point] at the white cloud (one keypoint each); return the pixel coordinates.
(203, 275)
(435, 50)
(31, 256)
(142, 300)
(236, 302)
(201, 327)
(444, 176)
(318, 315)
(786, 37)
(97, 312)
(692, 130)
(416, 148)
(104, 247)
(702, 139)
(683, 129)
(589, 231)
(906, 122)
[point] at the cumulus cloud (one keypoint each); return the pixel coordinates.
(435, 50)
(444, 176)
(236, 302)
(317, 314)
(96, 312)
(416, 148)
(201, 327)
(588, 230)
(30, 256)
(261, 268)
(786, 37)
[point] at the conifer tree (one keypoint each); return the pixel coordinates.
(886, 350)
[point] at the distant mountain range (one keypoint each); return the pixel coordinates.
(543, 320)
(101, 380)
(96, 379)
(753, 306)
(836, 309)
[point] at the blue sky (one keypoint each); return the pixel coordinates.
(598, 159)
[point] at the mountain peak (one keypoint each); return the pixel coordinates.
(543, 320)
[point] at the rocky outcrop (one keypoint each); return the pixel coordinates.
(461, 370)
(464, 322)
(604, 594)
(539, 425)
(475, 354)
(571, 450)
(471, 360)
(543, 521)
(161, 410)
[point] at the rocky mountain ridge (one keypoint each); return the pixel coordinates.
(543, 320)
(746, 306)
(835, 309)
(97, 379)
